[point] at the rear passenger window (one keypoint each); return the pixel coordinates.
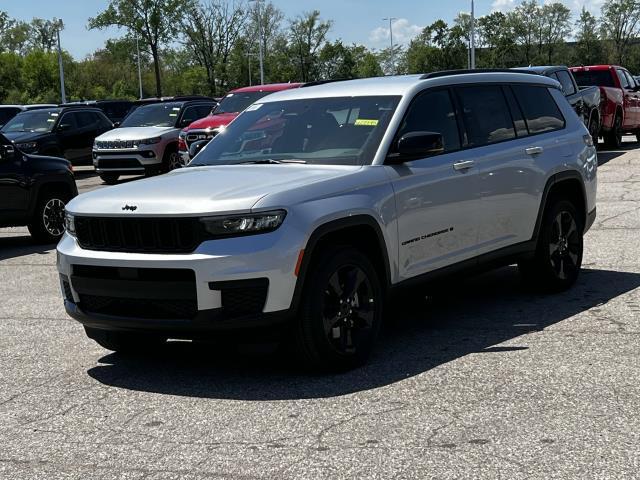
(433, 111)
(539, 108)
(566, 82)
(623, 80)
(486, 115)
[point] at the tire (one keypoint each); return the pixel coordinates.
(338, 322)
(558, 257)
(171, 159)
(613, 138)
(109, 178)
(594, 130)
(47, 224)
(125, 342)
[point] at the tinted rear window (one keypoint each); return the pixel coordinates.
(7, 114)
(600, 78)
(539, 108)
(486, 115)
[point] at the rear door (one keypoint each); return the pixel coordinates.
(437, 197)
(512, 173)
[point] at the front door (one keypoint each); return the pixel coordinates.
(436, 197)
(13, 188)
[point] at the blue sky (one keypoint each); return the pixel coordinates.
(355, 21)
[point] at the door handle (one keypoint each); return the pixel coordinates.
(533, 150)
(465, 165)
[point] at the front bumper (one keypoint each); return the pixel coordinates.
(129, 161)
(218, 266)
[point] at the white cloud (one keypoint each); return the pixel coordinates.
(403, 32)
(502, 5)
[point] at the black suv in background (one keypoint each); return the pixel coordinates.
(7, 112)
(115, 110)
(34, 191)
(66, 132)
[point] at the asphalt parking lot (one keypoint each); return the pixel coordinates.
(494, 382)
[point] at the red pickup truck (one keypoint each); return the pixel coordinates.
(229, 108)
(620, 100)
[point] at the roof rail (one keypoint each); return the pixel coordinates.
(322, 82)
(446, 73)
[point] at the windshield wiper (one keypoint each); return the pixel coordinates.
(270, 161)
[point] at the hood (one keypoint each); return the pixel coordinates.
(203, 190)
(134, 133)
(20, 137)
(212, 121)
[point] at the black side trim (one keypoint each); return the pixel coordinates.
(482, 263)
(331, 227)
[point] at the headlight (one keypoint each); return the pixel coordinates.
(70, 223)
(27, 146)
(249, 224)
(150, 141)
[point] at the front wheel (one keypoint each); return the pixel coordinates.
(124, 342)
(109, 178)
(594, 130)
(47, 224)
(558, 257)
(172, 159)
(341, 311)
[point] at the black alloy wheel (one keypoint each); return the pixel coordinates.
(613, 138)
(47, 225)
(341, 311)
(558, 259)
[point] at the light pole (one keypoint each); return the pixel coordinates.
(473, 37)
(63, 94)
(139, 69)
(393, 60)
(249, 55)
(260, 39)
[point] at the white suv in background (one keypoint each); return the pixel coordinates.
(314, 203)
(146, 142)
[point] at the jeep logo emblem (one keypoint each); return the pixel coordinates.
(131, 208)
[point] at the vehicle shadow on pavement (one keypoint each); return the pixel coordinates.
(423, 334)
(20, 246)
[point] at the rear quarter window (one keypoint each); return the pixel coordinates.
(540, 110)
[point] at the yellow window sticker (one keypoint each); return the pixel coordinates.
(363, 122)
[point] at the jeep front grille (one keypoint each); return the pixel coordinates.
(140, 235)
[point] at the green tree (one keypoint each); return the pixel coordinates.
(589, 46)
(525, 19)
(620, 24)
(153, 21)
(43, 34)
(555, 21)
(308, 33)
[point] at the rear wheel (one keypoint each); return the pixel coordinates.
(558, 257)
(341, 311)
(594, 129)
(109, 178)
(47, 224)
(613, 138)
(125, 342)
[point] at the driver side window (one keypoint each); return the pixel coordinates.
(432, 111)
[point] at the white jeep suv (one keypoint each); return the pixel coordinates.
(315, 203)
(146, 142)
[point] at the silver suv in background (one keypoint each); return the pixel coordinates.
(146, 142)
(315, 203)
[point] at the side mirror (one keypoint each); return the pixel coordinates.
(116, 124)
(195, 147)
(7, 152)
(415, 145)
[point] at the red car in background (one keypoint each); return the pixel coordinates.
(229, 108)
(620, 100)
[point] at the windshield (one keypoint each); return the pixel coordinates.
(154, 115)
(237, 102)
(33, 121)
(600, 78)
(336, 131)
